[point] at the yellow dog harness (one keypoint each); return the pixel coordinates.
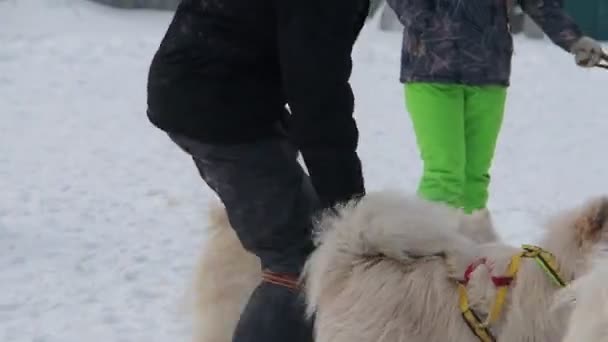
(543, 258)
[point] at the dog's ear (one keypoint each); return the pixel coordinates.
(592, 220)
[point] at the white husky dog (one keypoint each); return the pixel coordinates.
(387, 270)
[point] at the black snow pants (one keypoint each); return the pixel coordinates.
(270, 203)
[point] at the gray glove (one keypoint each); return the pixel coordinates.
(587, 52)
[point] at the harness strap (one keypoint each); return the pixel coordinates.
(471, 268)
(543, 258)
(498, 281)
(503, 289)
(546, 261)
(483, 333)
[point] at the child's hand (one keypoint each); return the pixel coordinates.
(587, 52)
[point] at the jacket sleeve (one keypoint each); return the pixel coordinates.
(554, 21)
(315, 42)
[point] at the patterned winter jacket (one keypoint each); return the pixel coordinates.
(469, 41)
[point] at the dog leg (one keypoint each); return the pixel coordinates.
(479, 226)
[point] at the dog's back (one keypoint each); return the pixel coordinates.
(379, 273)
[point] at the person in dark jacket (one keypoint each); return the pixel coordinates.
(245, 86)
(456, 66)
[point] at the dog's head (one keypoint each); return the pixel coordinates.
(479, 227)
(591, 225)
(575, 236)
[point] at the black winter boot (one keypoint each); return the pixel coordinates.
(275, 313)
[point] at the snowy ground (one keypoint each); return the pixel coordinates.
(101, 217)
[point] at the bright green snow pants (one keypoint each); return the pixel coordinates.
(456, 128)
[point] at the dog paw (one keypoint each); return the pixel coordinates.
(478, 227)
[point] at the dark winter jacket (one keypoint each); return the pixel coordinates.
(226, 69)
(469, 41)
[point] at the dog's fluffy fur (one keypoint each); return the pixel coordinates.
(227, 274)
(386, 271)
(587, 297)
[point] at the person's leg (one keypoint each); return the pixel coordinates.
(437, 114)
(484, 109)
(270, 203)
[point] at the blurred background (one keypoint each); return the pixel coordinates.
(592, 15)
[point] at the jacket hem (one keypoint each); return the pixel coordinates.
(451, 80)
